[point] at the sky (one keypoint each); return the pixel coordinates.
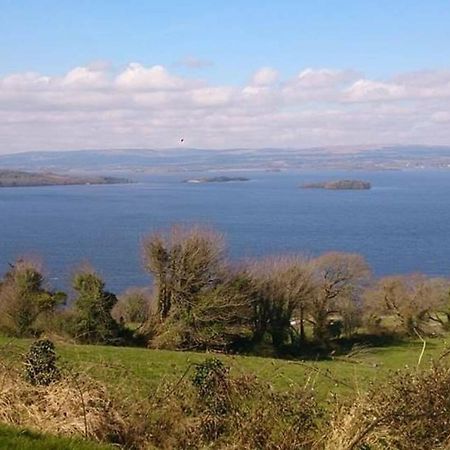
(242, 73)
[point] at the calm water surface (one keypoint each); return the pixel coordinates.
(401, 225)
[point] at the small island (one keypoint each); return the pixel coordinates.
(339, 185)
(15, 178)
(221, 179)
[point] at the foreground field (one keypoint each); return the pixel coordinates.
(12, 438)
(138, 371)
(143, 398)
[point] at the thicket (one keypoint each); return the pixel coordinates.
(284, 304)
(288, 304)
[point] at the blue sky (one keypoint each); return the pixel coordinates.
(237, 36)
(238, 73)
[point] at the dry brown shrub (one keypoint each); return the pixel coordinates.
(277, 421)
(411, 411)
(255, 417)
(75, 405)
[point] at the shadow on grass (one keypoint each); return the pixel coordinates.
(315, 351)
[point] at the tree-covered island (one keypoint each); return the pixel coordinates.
(339, 185)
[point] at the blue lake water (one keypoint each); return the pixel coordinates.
(401, 225)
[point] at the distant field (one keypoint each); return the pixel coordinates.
(137, 371)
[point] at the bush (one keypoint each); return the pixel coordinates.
(92, 318)
(25, 304)
(212, 384)
(334, 328)
(71, 406)
(215, 409)
(40, 363)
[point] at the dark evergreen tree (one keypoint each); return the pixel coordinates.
(24, 299)
(93, 306)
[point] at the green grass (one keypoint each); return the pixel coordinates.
(12, 438)
(137, 371)
(134, 373)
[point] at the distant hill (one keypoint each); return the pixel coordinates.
(191, 159)
(14, 178)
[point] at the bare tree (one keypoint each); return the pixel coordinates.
(412, 299)
(283, 286)
(200, 301)
(133, 306)
(183, 262)
(338, 278)
(221, 315)
(441, 293)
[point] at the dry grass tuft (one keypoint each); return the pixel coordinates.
(73, 406)
(411, 411)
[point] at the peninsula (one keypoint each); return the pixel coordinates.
(339, 185)
(15, 178)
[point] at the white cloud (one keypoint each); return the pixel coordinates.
(136, 76)
(85, 77)
(441, 117)
(95, 107)
(212, 96)
(27, 80)
(368, 90)
(323, 78)
(318, 84)
(265, 76)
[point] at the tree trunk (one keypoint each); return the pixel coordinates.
(320, 327)
(302, 325)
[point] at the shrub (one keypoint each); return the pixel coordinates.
(40, 363)
(334, 328)
(212, 384)
(410, 411)
(92, 318)
(25, 304)
(216, 409)
(71, 406)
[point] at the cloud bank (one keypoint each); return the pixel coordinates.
(151, 107)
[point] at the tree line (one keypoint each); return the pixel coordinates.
(202, 300)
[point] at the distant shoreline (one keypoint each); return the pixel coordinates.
(221, 179)
(15, 178)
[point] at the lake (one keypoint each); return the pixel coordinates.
(401, 225)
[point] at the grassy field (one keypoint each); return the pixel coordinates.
(133, 374)
(18, 439)
(137, 371)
